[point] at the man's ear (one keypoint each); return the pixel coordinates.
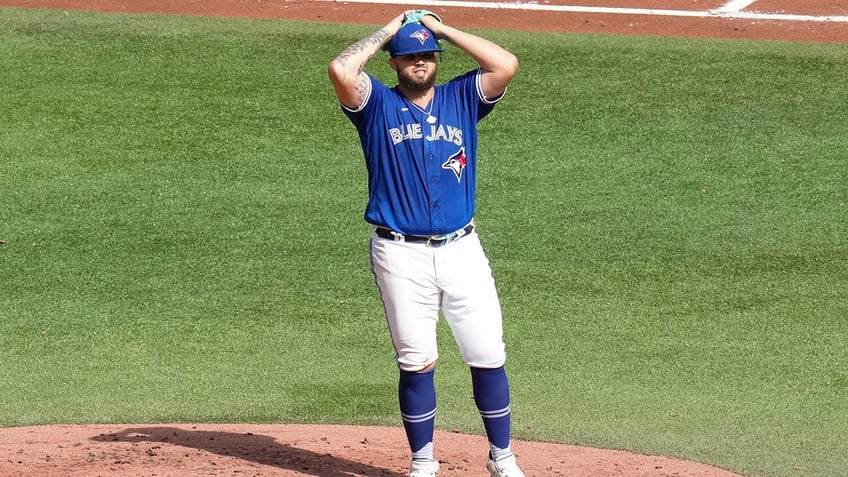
(392, 64)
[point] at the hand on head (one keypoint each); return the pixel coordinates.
(423, 17)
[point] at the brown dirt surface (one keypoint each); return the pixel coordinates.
(342, 451)
(468, 17)
(183, 450)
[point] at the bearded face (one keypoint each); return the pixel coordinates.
(416, 72)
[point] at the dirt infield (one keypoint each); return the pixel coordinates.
(341, 451)
(294, 450)
(712, 26)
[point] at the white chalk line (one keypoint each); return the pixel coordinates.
(730, 10)
(734, 6)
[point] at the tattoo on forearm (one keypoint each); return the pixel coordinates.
(362, 88)
(375, 39)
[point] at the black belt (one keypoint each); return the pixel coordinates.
(430, 240)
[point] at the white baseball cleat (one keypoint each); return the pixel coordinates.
(423, 468)
(504, 468)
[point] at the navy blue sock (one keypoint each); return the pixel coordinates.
(491, 394)
(417, 396)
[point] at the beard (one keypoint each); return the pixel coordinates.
(416, 84)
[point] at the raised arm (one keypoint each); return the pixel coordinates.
(347, 69)
(499, 65)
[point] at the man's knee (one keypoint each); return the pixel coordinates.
(487, 358)
(417, 368)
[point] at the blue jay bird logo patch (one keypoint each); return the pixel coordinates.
(420, 35)
(457, 163)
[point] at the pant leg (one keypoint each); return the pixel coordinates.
(470, 302)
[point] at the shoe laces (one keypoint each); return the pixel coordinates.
(424, 468)
(505, 468)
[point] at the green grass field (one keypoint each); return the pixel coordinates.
(666, 218)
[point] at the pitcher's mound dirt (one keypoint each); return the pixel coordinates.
(293, 450)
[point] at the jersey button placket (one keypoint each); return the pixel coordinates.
(433, 171)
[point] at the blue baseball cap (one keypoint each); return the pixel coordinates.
(412, 38)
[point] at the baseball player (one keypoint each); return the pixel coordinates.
(420, 146)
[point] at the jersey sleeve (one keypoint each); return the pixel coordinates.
(479, 86)
(471, 94)
(359, 115)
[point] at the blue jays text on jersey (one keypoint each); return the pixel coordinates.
(436, 133)
(421, 162)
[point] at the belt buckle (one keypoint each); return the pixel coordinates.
(440, 240)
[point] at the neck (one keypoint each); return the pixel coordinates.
(421, 98)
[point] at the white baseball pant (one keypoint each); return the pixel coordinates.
(417, 281)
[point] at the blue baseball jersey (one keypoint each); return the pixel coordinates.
(422, 162)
